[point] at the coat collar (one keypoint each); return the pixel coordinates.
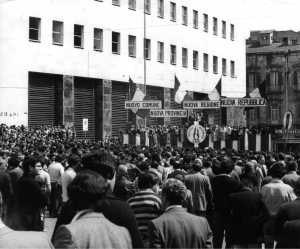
(87, 214)
(175, 208)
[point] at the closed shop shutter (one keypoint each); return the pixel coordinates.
(174, 105)
(85, 107)
(42, 99)
(155, 93)
(119, 113)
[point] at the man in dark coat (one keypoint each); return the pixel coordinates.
(222, 186)
(177, 228)
(246, 226)
(288, 212)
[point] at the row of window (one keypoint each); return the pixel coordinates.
(58, 36)
(274, 114)
(184, 16)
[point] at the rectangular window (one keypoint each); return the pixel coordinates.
(224, 29)
(160, 8)
(224, 67)
(232, 32)
(58, 33)
(232, 69)
(215, 64)
(184, 57)
(34, 29)
(251, 82)
(195, 19)
(252, 115)
(173, 12)
(78, 36)
(205, 62)
(205, 22)
(116, 2)
(160, 52)
(173, 55)
(275, 114)
(274, 78)
(131, 46)
(147, 7)
(115, 42)
(147, 49)
(132, 4)
(215, 26)
(195, 60)
(184, 15)
(98, 39)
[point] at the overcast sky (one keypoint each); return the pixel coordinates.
(263, 14)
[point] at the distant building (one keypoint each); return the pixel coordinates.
(273, 59)
(64, 61)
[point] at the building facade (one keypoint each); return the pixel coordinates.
(273, 60)
(63, 62)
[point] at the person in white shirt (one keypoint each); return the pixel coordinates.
(55, 171)
(74, 163)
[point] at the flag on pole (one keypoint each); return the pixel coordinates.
(138, 95)
(179, 92)
(216, 93)
(258, 92)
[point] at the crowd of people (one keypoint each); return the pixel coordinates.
(107, 195)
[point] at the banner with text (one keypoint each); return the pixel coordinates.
(176, 113)
(214, 104)
(226, 102)
(151, 104)
(243, 102)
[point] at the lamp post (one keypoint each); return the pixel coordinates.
(286, 93)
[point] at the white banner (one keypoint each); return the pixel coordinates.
(151, 104)
(226, 102)
(214, 104)
(243, 102)
(168, 113)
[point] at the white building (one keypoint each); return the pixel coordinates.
(52, 50)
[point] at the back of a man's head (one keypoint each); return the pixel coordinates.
(277, 170)
(74, 161)
(197, 165)
(147, 180)
(101, 162)
(226, 166)
(174, 192)
(87, 189)
(292, 165)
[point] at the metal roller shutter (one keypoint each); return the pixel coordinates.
(119, 114)
(85, 107)
(174, 105)
(42, 99)
(155, 93)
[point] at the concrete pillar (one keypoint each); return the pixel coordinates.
(107, 108)
(167, 104)
(68, 101)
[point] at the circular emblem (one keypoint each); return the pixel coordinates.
(196, 133)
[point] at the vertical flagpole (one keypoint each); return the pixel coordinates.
(145, 65)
